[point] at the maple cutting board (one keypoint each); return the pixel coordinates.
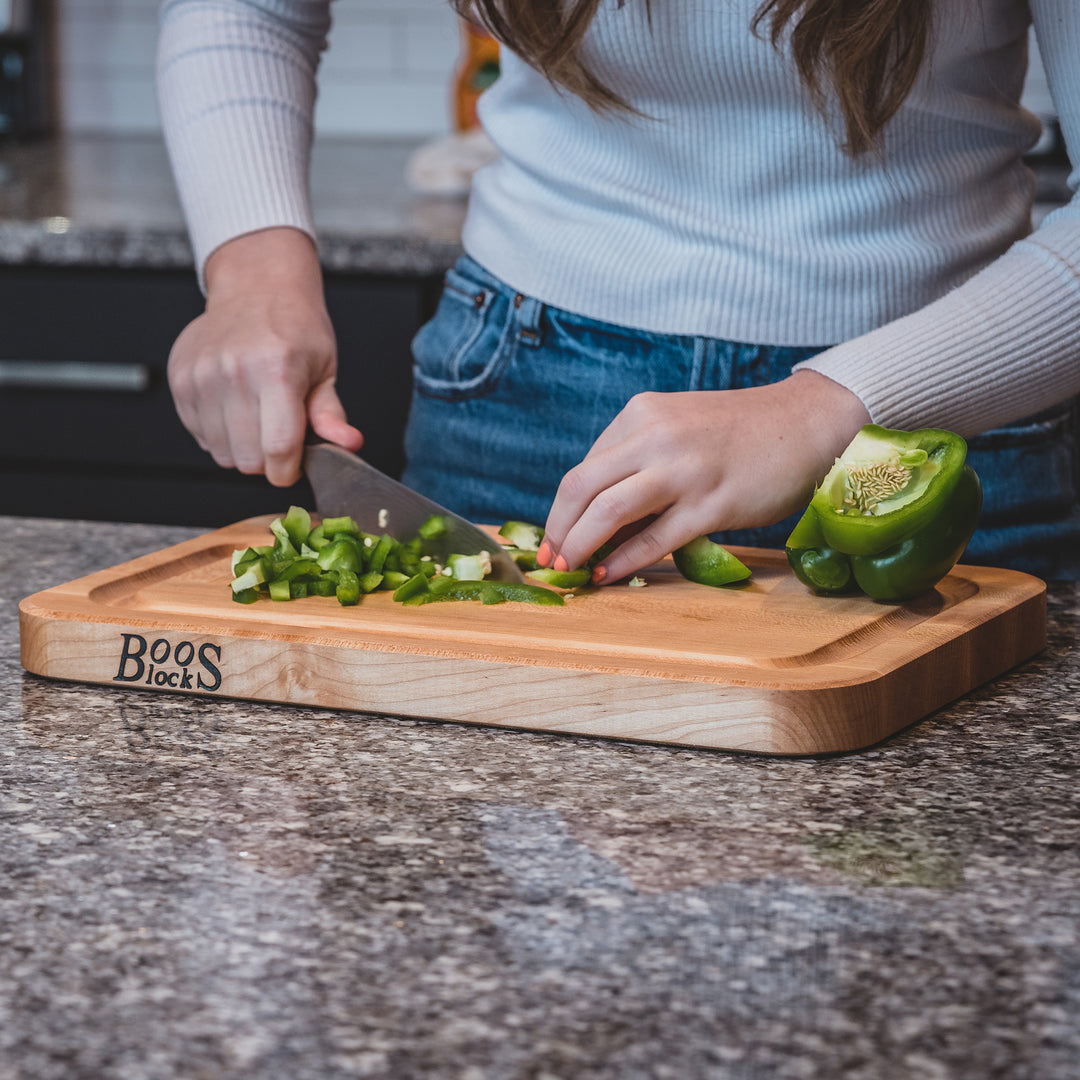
(765, 666)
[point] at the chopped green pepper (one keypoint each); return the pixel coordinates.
(561, 579)
(523, 557)
(335, 557)
(297, 523)
(891, 517)
(704, 561)
(522, 534)
(348, 587)
(343, 524)
(418, 583)
(433, 527)
(485, 591)
(469, 567)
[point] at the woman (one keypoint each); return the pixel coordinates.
(720, 237)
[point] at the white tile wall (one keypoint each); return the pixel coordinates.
(387, 71)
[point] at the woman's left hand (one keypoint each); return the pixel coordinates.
(674, 466)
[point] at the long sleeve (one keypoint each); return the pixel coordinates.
(236, 91)
(1006, 343)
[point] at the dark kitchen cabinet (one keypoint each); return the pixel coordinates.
(87, 424)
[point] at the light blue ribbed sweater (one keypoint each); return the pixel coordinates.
(727, 209)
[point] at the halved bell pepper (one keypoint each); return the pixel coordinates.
(891, 517)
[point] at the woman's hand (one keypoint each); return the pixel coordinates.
(250, 374)
(671, 467)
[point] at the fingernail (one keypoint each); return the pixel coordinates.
(543, 553)
(561, 563)
(598, 574)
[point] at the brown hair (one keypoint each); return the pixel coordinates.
(868, 51)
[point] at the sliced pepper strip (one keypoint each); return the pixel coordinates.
(475, 590)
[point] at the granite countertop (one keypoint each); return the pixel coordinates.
(200, 888)
(88, 200)
(109, 200)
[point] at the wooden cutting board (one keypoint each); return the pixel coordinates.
(766, 666)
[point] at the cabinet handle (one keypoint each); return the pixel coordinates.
(73, 375)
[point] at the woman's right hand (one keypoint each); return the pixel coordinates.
(251, 373)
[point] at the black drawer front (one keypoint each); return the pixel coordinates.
(85, 406)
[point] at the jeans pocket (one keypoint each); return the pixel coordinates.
(1028, 469)
(460, 352)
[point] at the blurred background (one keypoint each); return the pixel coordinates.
(386, 71)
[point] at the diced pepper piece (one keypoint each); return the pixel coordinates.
(417, 584)
(380, 551)
(370, 581)
(298, 569)
(344, 524)
(297, 523)
(348, 588)
(522, 534)
(253, 576)
(469, 567)
(246, 596)
(339, 555)
(704, 561)
(279, 590)
(242, 555)
(524, 558)
(277, 527)
(434, 526)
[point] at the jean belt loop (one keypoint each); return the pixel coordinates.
(527, 313)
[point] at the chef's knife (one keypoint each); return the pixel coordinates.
(346, 484)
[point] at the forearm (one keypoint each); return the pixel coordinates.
(279, 260)
(1002, 346)
(236, 88)
(1005, 344)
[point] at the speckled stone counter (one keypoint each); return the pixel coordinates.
(194, 888)
(110, 201)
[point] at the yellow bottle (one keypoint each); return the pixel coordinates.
(477, 69)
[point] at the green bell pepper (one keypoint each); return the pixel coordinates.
(891, 517)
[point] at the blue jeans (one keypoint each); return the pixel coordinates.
(510, 393)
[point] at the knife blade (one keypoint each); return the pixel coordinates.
(346, 484)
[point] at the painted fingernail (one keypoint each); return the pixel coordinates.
(543, 554)
(561, 563)
(598, 574)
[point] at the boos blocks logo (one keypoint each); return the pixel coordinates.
(186, 667)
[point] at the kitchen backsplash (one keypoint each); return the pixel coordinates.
(387, 71)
